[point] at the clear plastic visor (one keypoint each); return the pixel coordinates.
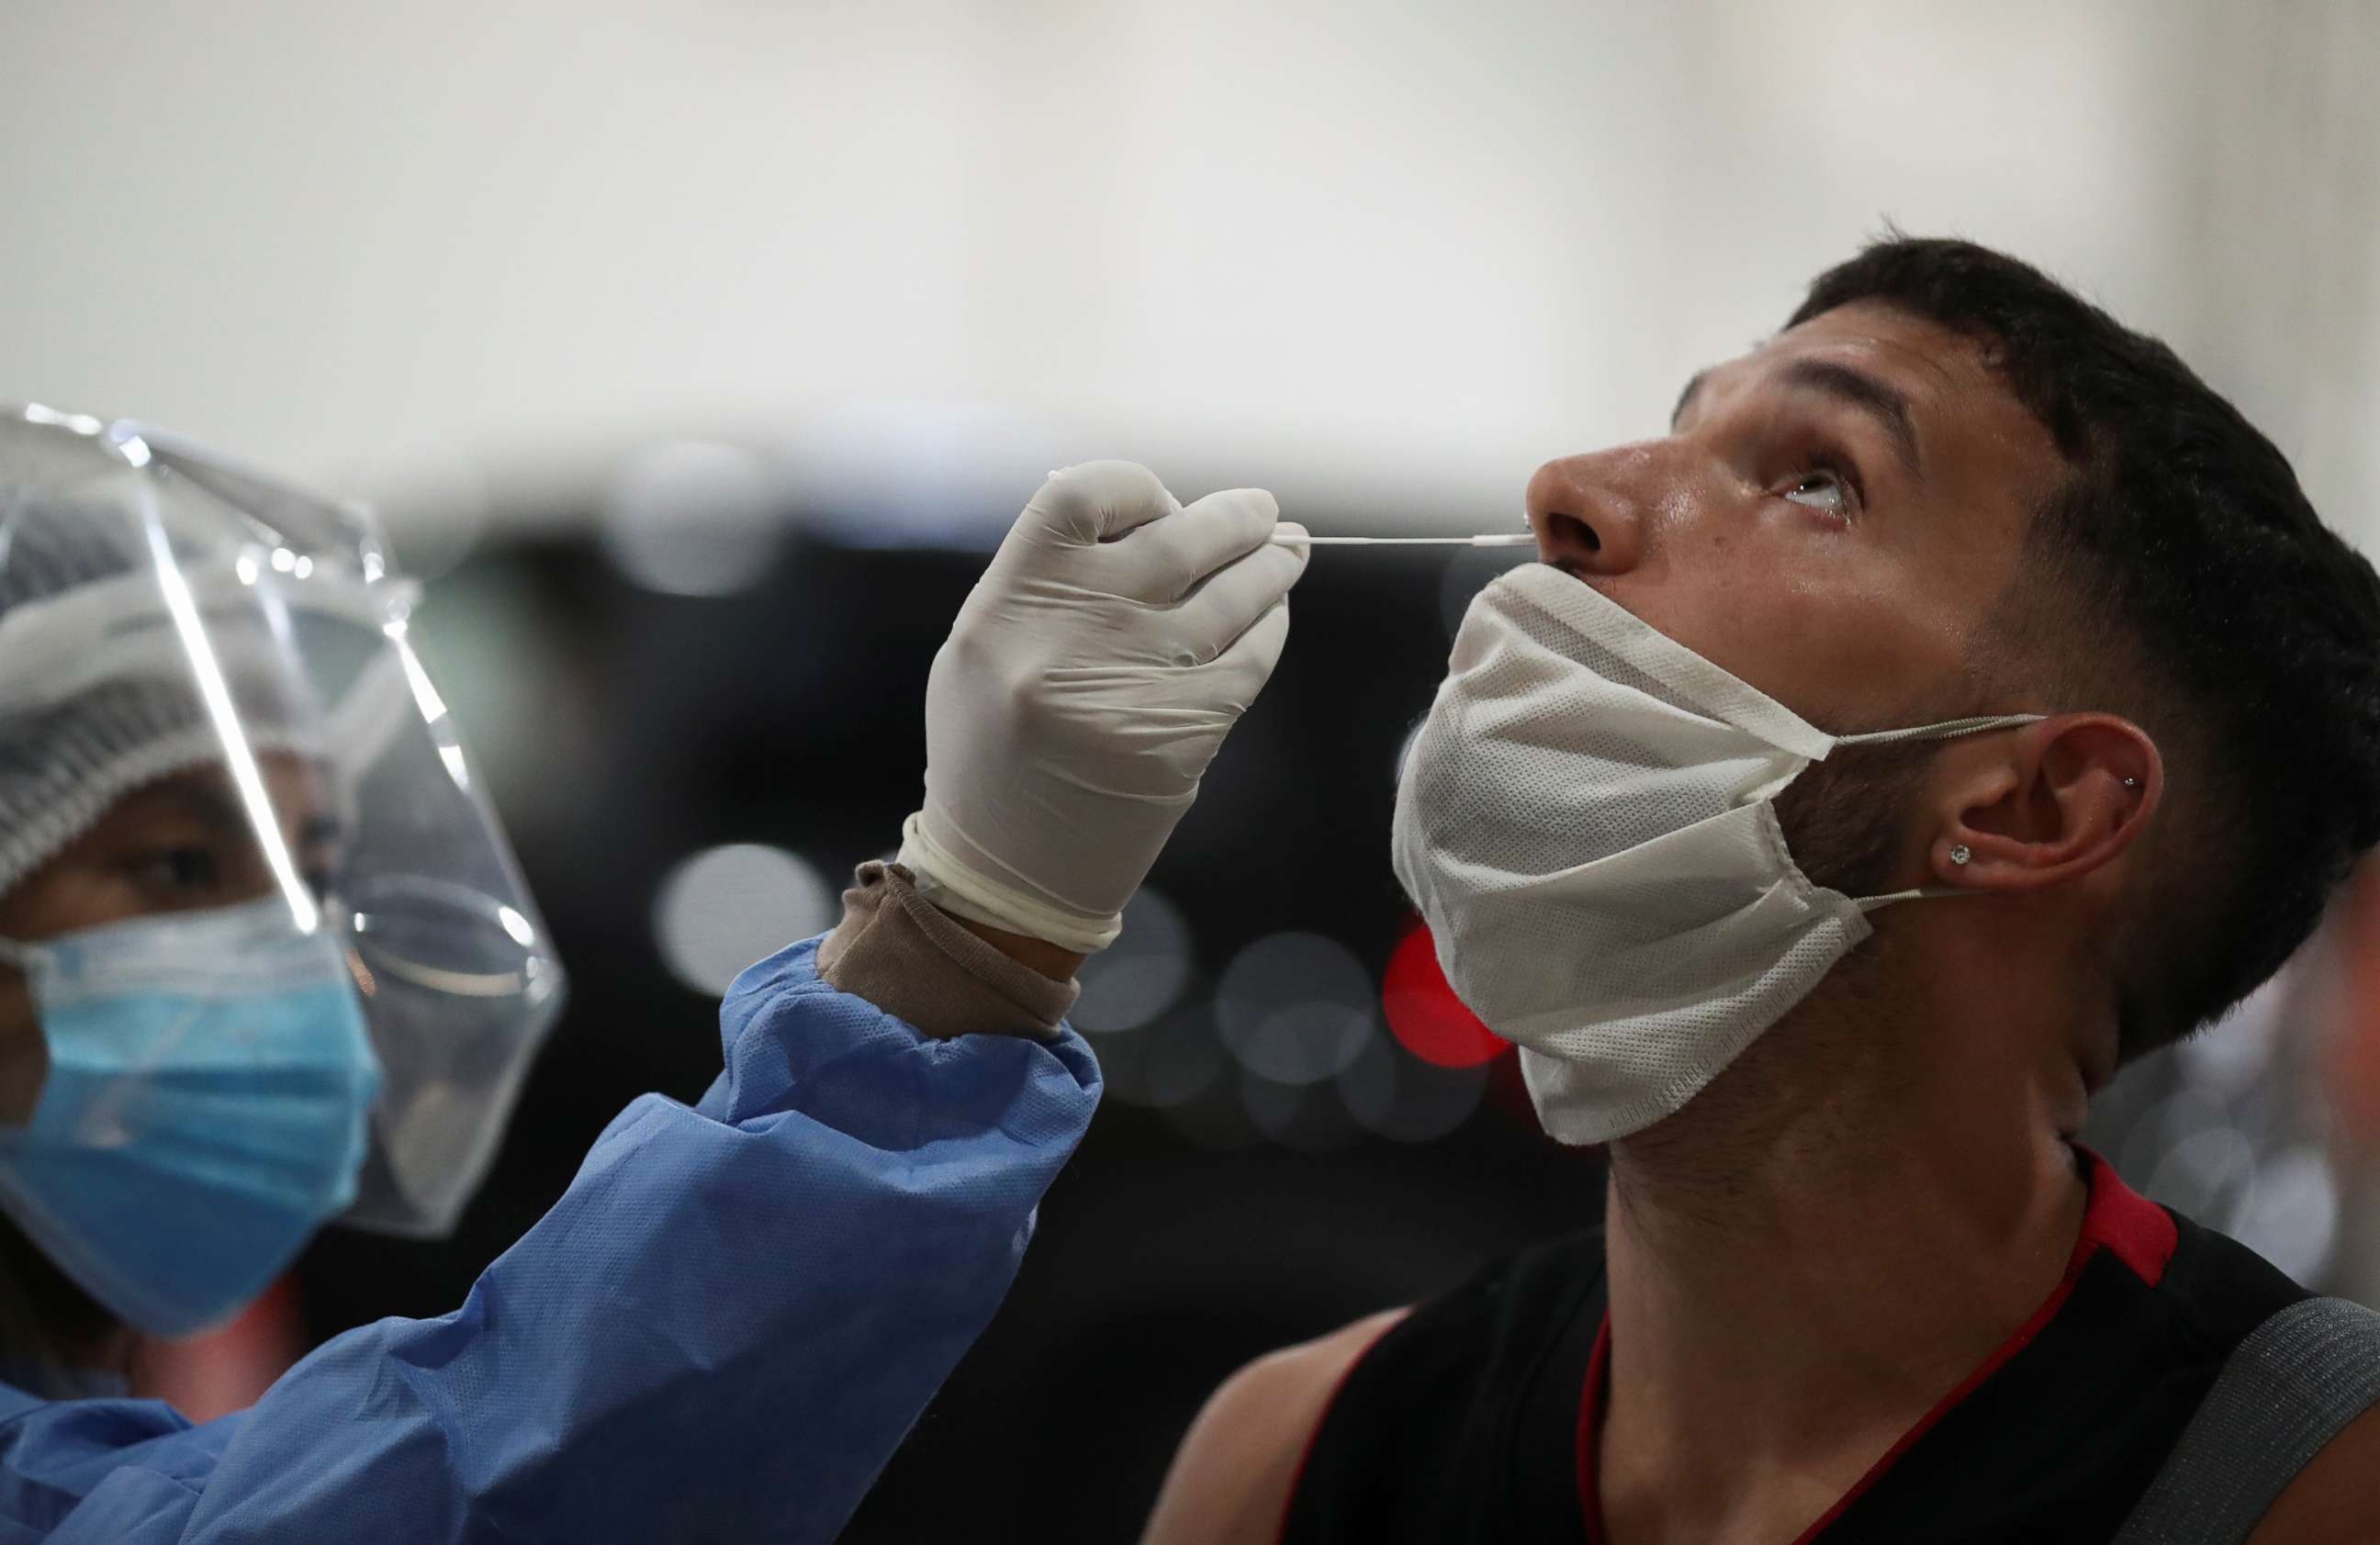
(210, 694)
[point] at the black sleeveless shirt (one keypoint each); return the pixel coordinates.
(1473, 1419)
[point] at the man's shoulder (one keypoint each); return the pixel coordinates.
(2335, 1499)
(2224, 1290)
(2219, 1289)
(1233, 1475)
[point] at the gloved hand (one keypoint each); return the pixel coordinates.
(1098, 664)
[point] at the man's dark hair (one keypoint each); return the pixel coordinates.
(2178, 578)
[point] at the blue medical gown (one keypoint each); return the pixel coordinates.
(720, 1332)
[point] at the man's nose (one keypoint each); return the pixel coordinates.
(1590, 513)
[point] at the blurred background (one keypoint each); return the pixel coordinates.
(699, 353)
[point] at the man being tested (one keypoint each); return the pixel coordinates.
(1855, 1281)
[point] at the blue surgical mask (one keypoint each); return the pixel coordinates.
(204, 1112)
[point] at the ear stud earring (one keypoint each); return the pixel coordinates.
(2132, 783)
(1959, 854)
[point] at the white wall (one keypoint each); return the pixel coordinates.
(1382, 256)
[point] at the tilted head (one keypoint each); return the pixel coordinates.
(1950, 487)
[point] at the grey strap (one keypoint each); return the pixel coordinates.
(2299, 1379)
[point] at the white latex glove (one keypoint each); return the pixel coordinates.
(1097, 665)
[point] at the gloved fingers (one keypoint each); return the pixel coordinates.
(1232, 601)
(1081, 506)
(1164, 561)
(1243, 669)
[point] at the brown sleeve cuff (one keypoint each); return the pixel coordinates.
(894, 950)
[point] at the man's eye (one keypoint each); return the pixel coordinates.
(1824, 490)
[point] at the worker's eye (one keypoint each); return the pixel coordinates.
(179, 869)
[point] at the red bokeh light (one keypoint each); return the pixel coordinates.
(1423, 1013)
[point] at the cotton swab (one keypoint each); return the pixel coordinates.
(1292, 539)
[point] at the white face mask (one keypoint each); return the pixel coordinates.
(1587, 823)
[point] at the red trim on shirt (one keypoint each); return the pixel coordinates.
(2128, 1226)
(2135, 1230)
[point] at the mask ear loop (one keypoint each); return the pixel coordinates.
(1946, 729)
(1958, 855)
(1870, 903)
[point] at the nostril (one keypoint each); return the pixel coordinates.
(1569, 530)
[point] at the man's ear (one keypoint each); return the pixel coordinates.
(2043, 804)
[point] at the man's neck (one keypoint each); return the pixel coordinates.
(1811, 1255)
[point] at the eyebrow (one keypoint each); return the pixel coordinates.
(1887, 404)
(194, 798)
(219, 808)
(1686, 398)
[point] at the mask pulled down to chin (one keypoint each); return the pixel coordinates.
(1587, 823)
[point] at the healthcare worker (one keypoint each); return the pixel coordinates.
(269, 963)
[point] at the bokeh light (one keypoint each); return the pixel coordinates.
(2231, 1056)
(1216, 1118)
(2206, 1174)
(689, 518)
(1293, 1007)
(1304, 1118)
(1395, 1095)
(1168, 1062)
(431, 498)
(724, 908)
(2290, 1213)
(1423, 1011)
(2164, 1124)
(1139, 976)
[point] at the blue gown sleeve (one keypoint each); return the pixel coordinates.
(721, 1331)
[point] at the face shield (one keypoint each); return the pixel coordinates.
(167, 616)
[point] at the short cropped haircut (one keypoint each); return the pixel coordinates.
(2178, 577)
